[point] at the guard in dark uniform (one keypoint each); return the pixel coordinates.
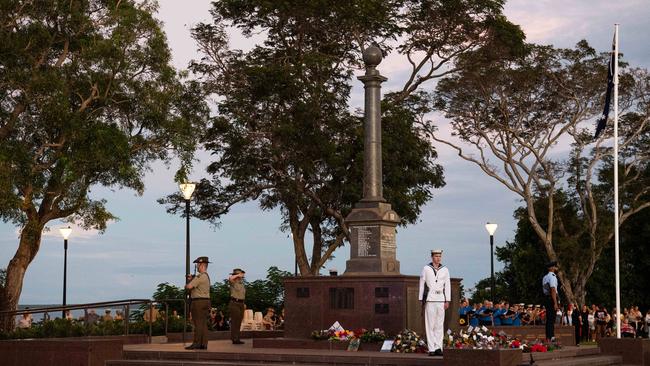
(552, 303)
(236, 305)
(199, 287)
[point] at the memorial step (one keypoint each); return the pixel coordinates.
(194, 363)
(599, 360)
(269, 357)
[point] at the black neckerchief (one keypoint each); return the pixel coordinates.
(435, 272)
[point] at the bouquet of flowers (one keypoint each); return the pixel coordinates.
(409, 342)
(541, 346)
(321, 334)
(482, 338)
(375, 335)
(342, 335)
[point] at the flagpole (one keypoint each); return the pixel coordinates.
(616, 239)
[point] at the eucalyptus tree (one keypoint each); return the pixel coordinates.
(87, 98)
(516, 120)
(285, 134)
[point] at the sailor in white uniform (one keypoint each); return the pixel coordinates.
(435, 294)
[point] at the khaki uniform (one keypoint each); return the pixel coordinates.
(236, 308)
(200, 307)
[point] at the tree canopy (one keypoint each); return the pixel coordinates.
(88, 98)
(285, 134)
(512, 119)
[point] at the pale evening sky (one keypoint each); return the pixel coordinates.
(147, 246)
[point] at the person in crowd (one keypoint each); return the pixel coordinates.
(601, 322)
(584, 324)
(119, 315)
(566, 318)
(473, 315)
(647, 323)
(539, 314)
(550, 286)
(526, 315)
(199, 287)
(68, 315)
(236, 305)
(280, 321)
(213, 322)
(592, 325)
(627, 330)
(508, 317)
(270, 319)
(609, 325)
(464, 313)
(25, 321)
(519, 312)
(91, 317)
(485, 313)
(151, 314)
(576, 320)
(497, 312)
(107, 316)
(435, 277)
(635, 318)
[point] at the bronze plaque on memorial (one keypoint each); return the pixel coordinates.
(367, 237)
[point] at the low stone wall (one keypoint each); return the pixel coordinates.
(222, 335)
(634, 351)
(78, 351)
(482, 357)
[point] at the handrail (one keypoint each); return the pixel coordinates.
(166, 302)
(76, 306)
(126, 303)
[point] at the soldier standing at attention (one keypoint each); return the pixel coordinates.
(436, 297)
(549, 286)
(199, 287)
(236, 306)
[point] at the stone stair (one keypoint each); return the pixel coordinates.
(575, 356)
(224, 354)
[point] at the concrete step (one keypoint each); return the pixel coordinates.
(596, 360)
(194, 363)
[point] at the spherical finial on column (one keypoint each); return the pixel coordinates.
(372, 56)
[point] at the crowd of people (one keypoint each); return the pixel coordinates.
(271, 321)
(591, 323)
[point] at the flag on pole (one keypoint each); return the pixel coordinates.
(602, 120)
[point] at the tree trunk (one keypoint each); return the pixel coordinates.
(30, 242)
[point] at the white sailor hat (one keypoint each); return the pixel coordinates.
(436, 251)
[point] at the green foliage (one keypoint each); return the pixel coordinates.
(89, 98)
(165, 291)
(513, 114)
(285, 135)
(62, 328)
(524, 262)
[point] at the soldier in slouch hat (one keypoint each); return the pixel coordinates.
(236, 305)
(199, 287)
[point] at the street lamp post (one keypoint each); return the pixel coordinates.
(187, 189)
(491, 229)
(65, 232)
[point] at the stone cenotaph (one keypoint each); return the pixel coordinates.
(371, 293)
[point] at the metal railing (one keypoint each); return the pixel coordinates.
(125, 304)
(166, 302)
